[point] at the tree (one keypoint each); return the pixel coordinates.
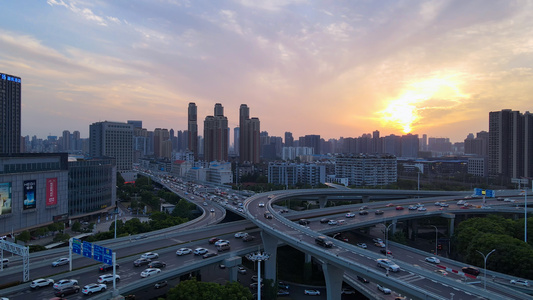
(196, 290)
(61, 237)
(76, 227)
(24, 236)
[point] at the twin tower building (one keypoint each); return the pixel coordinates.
(216, 135)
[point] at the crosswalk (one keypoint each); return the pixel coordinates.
(411, 277)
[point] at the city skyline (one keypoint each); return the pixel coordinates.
(330, 69)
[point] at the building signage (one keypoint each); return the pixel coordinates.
(51, 191)
(5, 198)
(29, 188)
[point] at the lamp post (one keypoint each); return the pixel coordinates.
(387, 238)
(485, 257)
(436, 238)
(258, 257)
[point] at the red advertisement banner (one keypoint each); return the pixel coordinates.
(51, 191)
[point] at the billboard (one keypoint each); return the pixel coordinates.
(28, 194)
(5, 198)
(51, 191)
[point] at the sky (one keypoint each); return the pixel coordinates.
(332, 68)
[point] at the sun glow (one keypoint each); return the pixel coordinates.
(407, 110)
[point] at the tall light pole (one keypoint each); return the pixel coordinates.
(387, 238)
(485, 257)
(258, 257)
(436, 238)
(525, 214)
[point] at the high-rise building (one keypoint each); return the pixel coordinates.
(313, 141)
(507, 139)
(216, 146)
(192, 129)
(65, 142)
(136, 123)
(249, 137)
(289, 140)
(112, 139)
(478, 145)
(410, 145)
(10, 113)
(160, 137)
(236, 140)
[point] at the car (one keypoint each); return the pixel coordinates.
(520, 282)
(254, 278)
(60, 262)
(261, 204)
(312, 292)
(303, 222)
(200, 251)
(363, 212)
(377, 240)
(362, 245)
(240, 234)
(268, 215)
(283, 285)
(150, 255)
(380, 245)
(241, 270)
(324, 220)
(441, 272)
(379, 212)
(437, 203)
(471, 271)
(248, 238)
(212, 210)
(160, 284)
(41, 282)
(106, 267)
(283, 293)
(399, 207)
(347, 291)
(150, 272)
(461, 202)
(209, 254)
(205, 203)
(340, 237)
(386, 252)
(157, 264)
(93, 288)
(412, 207)
(350, 215)
(433, 260)
(67, 290)
(64, 283)
(363, 207)
(183, 251)
(219, 242)
(107, 278)
(388, 264)
(242, 210)
(253, 285)
(213, 240)
(421, 208)
(443, 204)
(332, 222)
(362, 279)
(141, 261)
(383, 289)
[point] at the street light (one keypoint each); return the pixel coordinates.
(387, 238)
(436, 238)
(485, 257)
(258, 257)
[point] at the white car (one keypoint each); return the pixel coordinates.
(241, 270)
(107, 278)
(377, 240)
(520, 282)
(383, 289)
(93, 288)
(183, 251)
(150, 272)
(221, 242)
(412, 207)
(349, 215)
(332, 222)
(64, 283)
(261, 204)
(200, 251)
(421, 208)
(150, 255)
(443, 204)
(241, 234)
(388, 264)
(212, 210)
(433, 260)
(362, 245)
(312, 292)
(60, 262)
(41, 282)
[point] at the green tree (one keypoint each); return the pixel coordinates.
(76, 227)
(24, 236)
(196, 290)
(61, 237)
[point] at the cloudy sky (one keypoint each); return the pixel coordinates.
(333, 68)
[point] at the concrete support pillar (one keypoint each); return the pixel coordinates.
(365, 199)
(322, 200)
(270, 244)
(308, 258)
(333, 276)
(451, 226)
(232, 264)
(394, 222)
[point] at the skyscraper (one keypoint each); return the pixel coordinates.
(112, 139)
(506, 144)
(192, 129)
(160, 138)
(289, 140)
(216, 142)
(249, 139)
(10, 113)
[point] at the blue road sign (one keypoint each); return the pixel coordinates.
(98, 253)
(108, 256)
(76, 246)
(87, 249)
(490, 193)
(478, 192)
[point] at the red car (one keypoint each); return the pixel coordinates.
(213, 240)
(399, 207)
